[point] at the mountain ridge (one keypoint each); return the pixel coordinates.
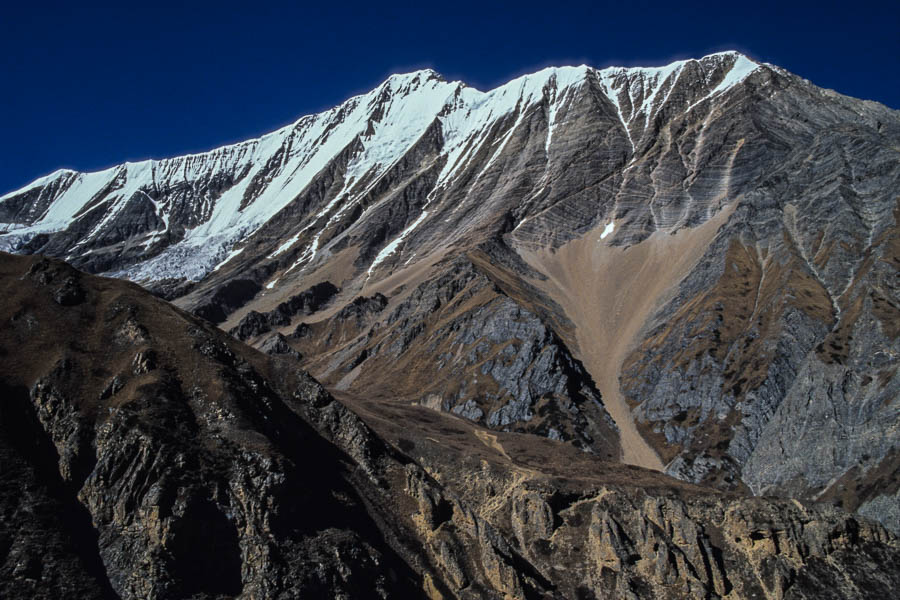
(73, 205)
(426, 72)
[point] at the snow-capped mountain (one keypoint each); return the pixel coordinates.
(662, 265)
(183, 217)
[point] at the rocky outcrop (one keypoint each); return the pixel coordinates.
(305, 303)
(641, 546)
(277, 344)
(760, 370)
(191, 446)
(227, 298)
(599, 536)
(835, 435)
(361, 308)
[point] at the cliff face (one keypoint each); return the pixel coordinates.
(149, 455)
(691, 268)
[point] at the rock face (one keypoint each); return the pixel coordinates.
(691, 267)
(306, 302)
(144, 436)
(149, 455)
(489, 359)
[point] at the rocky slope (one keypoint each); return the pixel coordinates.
(149, 455)
(690, 267)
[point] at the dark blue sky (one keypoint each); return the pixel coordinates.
(90, 84)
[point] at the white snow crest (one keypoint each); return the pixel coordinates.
(468, 121)
(380, 126)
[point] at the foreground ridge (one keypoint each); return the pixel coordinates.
(133, 434)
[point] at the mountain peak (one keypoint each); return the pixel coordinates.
(734, 53)
(420, 76)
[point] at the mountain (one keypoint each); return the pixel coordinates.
(147, 454)
(188, 213)
(690, 268)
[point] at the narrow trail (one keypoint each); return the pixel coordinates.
(609, 293)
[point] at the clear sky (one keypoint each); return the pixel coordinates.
(87, 85)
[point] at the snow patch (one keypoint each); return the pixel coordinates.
(610, 227)
(308, 254)
(230, 255)
(286, 245)
(613, 96)
(392, 247)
